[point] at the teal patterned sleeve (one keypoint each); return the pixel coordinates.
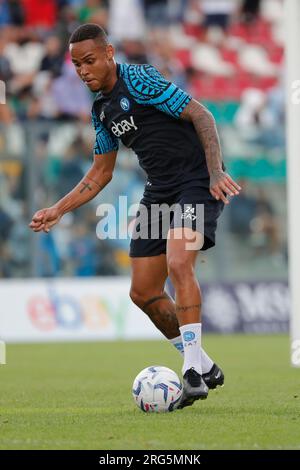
(105, 141)
(149, 87)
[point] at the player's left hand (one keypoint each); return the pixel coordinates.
(222, 185)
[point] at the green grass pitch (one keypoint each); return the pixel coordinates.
(78, 396)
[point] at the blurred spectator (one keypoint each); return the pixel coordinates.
(63, 235)
(6, 224)
(176, 9)
(54, 57)
(18, 244)
(24, 54)
(70, 172)
(249, 114)
(24, 51)
(83, 251)
(64, 89)
(4, 13)
(260, 118)
(134, 51)
(217, 12)
(250, 10)
(93, 11)
(12, 12)
(253, 216)
(265, 227)
(67, 21)
(49, 263)
(156, 12)
(162, 53)
(5, 262)
(5, 69)
(126, 20)
(43, 104)
(6, 256)
(17, 11)
(242, 211)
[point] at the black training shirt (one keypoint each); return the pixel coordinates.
(143, 110)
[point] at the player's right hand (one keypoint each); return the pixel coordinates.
(44, 219)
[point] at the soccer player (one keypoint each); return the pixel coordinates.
(177, 144)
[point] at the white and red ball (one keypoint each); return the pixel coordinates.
(157, 389)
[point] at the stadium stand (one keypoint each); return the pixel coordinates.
(228, 54)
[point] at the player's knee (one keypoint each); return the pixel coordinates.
(179, 269)
(137, 297)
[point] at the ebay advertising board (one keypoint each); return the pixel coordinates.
(101, 309)
(71, 309)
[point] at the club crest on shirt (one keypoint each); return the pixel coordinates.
(102, 116)
(125, 103)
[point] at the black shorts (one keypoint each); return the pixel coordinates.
(194, 207)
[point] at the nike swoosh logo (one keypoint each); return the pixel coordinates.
(218, 374)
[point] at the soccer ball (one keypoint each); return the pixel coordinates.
(157, 389)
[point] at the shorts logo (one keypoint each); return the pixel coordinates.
(188, 336)
(125, 104)
(189, 213)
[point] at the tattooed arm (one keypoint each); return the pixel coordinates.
(93, 182)
(204, 123)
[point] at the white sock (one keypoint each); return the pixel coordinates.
(191, 340)
(206, 361)
(177, 343)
